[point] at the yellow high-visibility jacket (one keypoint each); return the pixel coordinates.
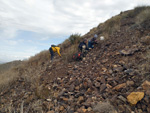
(56, 49)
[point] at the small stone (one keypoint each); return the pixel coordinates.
(120, 86)
(130, 83)
(80, 99)
(118, 69)
(89, 109)
(94, 98)
(148, 92)
(77, 87)
(104, 69)
(51, 111)
(129, 71)
(103, 81)
(122, 98)
(61, 108)
(49, 100)
(85, 84)
(97, 84)
(65, 99)
(110, 71)
(84, 110)
(108, 86)
(134, 97)
(55, 86)
(89, 91)
(102, 87)
(146, 85)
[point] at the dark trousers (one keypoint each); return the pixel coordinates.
(52, 53)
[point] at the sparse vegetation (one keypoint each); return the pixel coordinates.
(133, 13)
(39, 59)
(112, 25)
(75, 38)
(67, 56)
(8, 78)
(143, 18)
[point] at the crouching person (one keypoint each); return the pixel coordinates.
(83, 47)
(92, 42)
(54, 49)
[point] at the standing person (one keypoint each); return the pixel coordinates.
(54, 49)
(92, 42)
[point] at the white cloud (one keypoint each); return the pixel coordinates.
(56, 16)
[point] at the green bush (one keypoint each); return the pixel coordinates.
(75, 38)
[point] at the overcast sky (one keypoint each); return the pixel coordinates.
(30, 26)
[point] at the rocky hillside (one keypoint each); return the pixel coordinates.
(114, 77)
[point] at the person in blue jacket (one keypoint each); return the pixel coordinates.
(92, 42)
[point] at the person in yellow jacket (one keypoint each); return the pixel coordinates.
(54, 49)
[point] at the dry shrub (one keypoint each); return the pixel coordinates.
(67, 55)
(143, 18)
(133, 13)
(39, 59)
(8, 78)
(75, 38)
(112, 25)
(93, 31)
(65, 44)
(41, 91)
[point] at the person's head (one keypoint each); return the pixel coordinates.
(85, 40)
(95, 36)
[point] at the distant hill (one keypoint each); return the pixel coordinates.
(6, 66)
(1, 62)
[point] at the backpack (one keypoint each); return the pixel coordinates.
(53, 46)
(77, 56)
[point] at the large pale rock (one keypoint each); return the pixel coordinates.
(134, 97)
(104, 107)
(146, 85)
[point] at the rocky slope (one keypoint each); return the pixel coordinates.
(113, 78)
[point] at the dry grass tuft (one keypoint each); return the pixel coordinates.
(67, 56)
(112, 25)
(143, 18)
(39, 59)
(8, 78)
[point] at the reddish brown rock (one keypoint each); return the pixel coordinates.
(120, 86)
(103, 87)
(146, 85)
